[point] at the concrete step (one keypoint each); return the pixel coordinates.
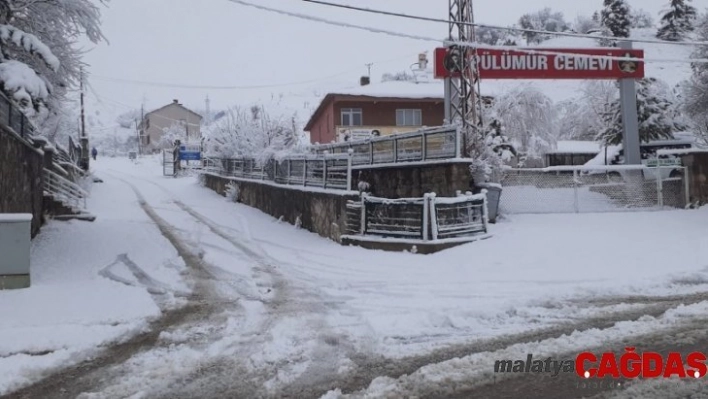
(86, 217)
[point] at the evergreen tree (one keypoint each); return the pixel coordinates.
(658, 115)
(616, 17)
(677, 21)
(695, 90)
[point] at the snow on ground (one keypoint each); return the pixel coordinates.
(371, 302)
(73, 305)
(399, 303)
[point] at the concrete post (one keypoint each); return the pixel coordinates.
(630, 119)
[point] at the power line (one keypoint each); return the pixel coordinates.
(473, 45)
(496, 27)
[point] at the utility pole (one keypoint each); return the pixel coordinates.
(368, 66)
(462, 101)
(208, 111)
(84, 137)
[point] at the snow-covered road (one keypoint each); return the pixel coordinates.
(240, 305)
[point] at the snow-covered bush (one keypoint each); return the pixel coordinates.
(490, 148)
(233, 192)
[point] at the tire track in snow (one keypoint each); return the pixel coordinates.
(86, 375)
(285, 301)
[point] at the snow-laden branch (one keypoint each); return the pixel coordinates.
(22, 82)
(30, 43)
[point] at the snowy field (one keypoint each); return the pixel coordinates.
(97, 283)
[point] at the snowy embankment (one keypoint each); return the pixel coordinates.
(84, 293)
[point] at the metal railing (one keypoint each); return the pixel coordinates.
(64, 190)
(327, 171)
(423, 145)
(593, 189)
(15, 119)
(427, 219)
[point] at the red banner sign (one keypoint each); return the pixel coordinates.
(565, 64)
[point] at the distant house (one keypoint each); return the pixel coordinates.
(185, 123)
(378, 109)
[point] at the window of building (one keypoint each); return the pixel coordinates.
(409, 117)
(352, 117)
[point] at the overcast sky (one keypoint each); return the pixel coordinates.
(220, 43)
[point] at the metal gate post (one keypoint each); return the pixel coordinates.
(576, 201)
(324, 173)
(362, 227)
(659, 186)
(426, 213)
(686, 185)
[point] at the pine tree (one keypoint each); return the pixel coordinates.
(695, 90)
(616, 17)
(657, 113)
(677, 21)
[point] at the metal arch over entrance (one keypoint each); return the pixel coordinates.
(538, 63)
(469, 65)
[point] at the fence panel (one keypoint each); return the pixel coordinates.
(400, 218)
(458, 217)
(592, 189)
(326, 171)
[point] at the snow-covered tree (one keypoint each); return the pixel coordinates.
(491, 149)
(658, 114)
(585, 25)
(677, 21)
(251, 133)
(496, 37)
(545, 20)
(529, 118)
(39, 60)
(640, 19)
(695, 89)
(581, 118)
(615, 17)
(127, 119)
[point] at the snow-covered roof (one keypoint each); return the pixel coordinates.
(397, 89)
(576, 147)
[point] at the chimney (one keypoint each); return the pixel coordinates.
(365, 80)
(175, 101)
(422, 61)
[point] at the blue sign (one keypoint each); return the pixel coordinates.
(190, 153)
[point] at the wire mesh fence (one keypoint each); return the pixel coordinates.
(325, 171)
(593, 189)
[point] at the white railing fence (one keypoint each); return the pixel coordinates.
(593, 189)
(328, 171)
(430, 218)
(64, 190)
(423, 145)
